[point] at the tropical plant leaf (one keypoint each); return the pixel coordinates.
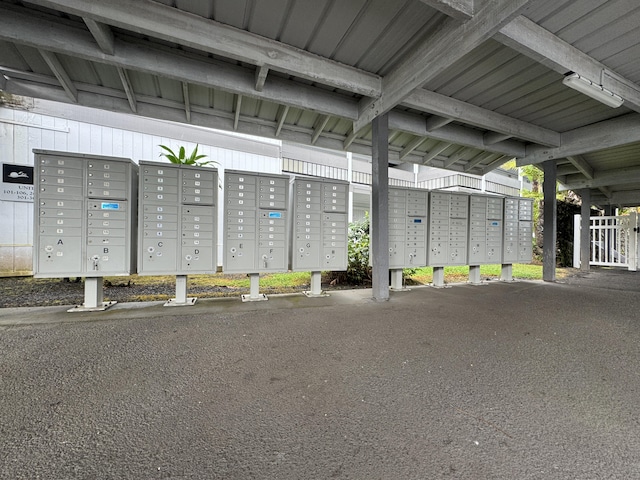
(182, 159)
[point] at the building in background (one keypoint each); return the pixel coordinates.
(39, 124)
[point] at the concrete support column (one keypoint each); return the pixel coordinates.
(585, 223)
(379, 208)
(350, 178)
(550, 222)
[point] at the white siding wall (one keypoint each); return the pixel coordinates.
(22, 131)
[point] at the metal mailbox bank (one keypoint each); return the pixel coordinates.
(408, 208)
(518, 231)
(319, 227)
(86, 219)
(448, 224)
(255, 225)
(485, 233)
(178, 222)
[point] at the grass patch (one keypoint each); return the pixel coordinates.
(424, 275)
(267, 280)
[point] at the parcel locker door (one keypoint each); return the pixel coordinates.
(59, 255)
(108, 247)
(334, 241)
(240, 241)
(198, 233)
(307, 248)
(272, 241)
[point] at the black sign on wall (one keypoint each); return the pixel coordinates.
(22, 174)
(17, 183)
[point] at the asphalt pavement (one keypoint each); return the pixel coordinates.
(523, 380)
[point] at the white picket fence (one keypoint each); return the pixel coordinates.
(613, 241)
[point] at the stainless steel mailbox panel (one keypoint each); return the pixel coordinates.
(85, 225)
(408, 229)
(448, 229)
(255, 222)
(518, 230)
(485, 229)
(178, 219)
(319, 224)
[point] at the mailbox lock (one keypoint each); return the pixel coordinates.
(95, 260)
(48, 249)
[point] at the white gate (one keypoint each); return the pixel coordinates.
(613, 241)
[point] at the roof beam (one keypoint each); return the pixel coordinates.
(530, 39)
(495, 164)
(128, 89)
(434, 152)
(455, 134)
(620, 176)
(606, 191)
(411, 146)
(451, 108)
(321, 123)
(435, 121)
(156, 20)
(284, 110)
(598, 136)
(236, 114)
(582, 165)
(494, 137)
(61, 74)
(455, 157)
(438, 52)
(261, 77)
(410, 123)
(479, 158)
(625, 198)
(44, 32)
(349, 140)
(458, 9)
(99, 97)
(102, 34)
(187, 101)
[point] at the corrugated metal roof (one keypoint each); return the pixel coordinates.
(306, 71)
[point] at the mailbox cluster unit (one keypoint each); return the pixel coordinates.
(408, 209)
(485, 229)
(518, 228)
(448, 227)
(319, 230)
(86, 218)
(255, 222)
(178, 224)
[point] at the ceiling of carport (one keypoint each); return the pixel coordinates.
(468, 84)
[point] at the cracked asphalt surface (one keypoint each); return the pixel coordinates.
(524, 380)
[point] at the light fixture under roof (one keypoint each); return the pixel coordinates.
(593, 90)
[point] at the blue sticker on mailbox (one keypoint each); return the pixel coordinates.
(495, 224)
(275, 214)
(110, 206)
(417, 220)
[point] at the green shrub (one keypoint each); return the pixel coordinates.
(358, 269)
